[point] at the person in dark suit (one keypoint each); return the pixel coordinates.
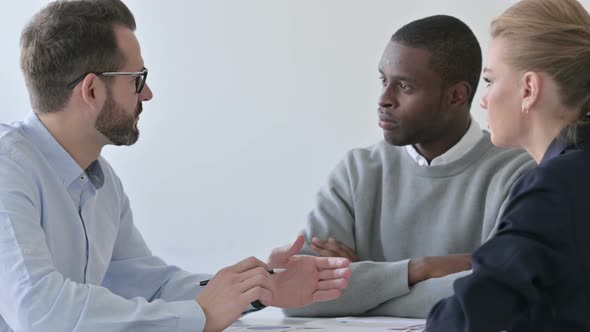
(534, 274)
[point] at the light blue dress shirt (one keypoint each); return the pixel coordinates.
(70, 257)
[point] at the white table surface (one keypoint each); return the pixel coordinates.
(273, 320)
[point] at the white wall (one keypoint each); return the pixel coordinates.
(255, 102)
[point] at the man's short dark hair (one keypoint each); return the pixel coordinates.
(455, 51)
(65, 40)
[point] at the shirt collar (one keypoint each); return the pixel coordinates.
(95, 174)
(456, 152)
(60, 160)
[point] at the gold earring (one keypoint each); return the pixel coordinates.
(525, 110)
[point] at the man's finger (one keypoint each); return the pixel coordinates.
(334, 251)
(296, 246)
(333, 284)
(257, 280)
(315, 249)
(252, 272)
(335, 247)
(331, 262)
(326, 295)
(323, 252)
(350, 253)
(318, 243)
(344, 272)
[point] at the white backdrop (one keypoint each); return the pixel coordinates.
(255, 102)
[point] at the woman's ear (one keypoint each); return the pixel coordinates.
(531, 89)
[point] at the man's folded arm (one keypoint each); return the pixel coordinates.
(371, 284)
(423, 296)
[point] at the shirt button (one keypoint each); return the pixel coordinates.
(421, 162)
(27, 251)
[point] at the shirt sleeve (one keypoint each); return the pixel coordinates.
(134, 272)
(37, 297)
(531, 252)
(371, 283)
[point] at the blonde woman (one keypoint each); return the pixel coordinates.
(534, 274)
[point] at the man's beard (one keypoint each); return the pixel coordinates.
(116, 124)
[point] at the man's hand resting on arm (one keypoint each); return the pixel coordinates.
(333, 248)
(419, 269)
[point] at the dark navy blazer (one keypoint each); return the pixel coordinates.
(534, 274)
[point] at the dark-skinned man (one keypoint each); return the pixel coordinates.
(409, 210)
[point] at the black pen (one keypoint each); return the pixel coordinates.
(271, 271)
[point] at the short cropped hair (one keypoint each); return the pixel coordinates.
(65, 40)
(455, 51)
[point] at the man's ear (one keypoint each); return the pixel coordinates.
(459, 93)
(531, 89)
(93, 92)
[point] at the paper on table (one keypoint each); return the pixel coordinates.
(275, 328)
(389, 323)
(340, 324)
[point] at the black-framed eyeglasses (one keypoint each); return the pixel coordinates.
(140, 77)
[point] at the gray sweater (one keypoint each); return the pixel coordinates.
(379, 202)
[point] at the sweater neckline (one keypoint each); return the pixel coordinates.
(481, 147)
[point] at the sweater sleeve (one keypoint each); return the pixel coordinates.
(371, 283)
(421, 299)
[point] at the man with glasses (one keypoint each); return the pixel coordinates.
(70, 255)
(140, 77)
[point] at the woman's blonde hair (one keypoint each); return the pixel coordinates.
(551, 36)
